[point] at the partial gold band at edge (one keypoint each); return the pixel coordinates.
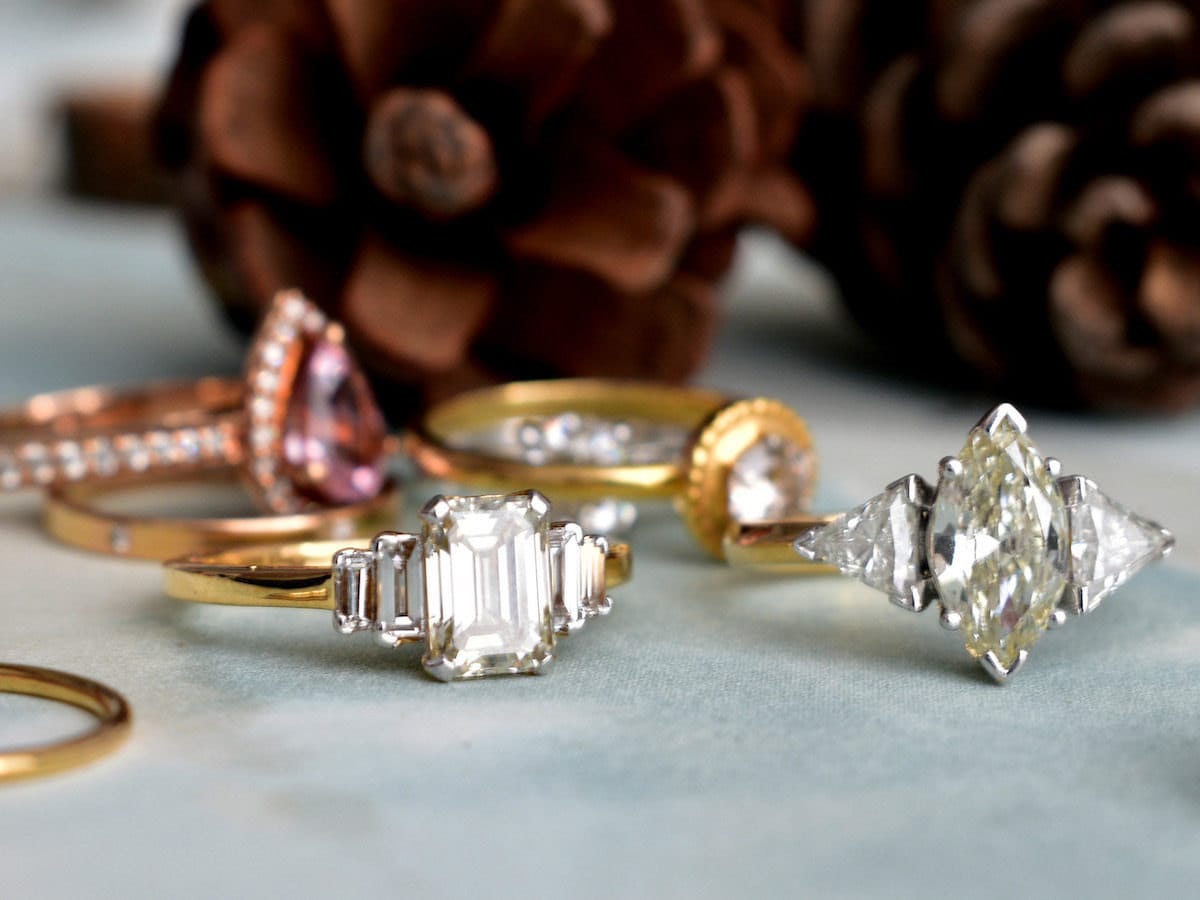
(768, 546)
(109, 707)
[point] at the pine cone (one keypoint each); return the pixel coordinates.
(486, 189)
(1021, 177)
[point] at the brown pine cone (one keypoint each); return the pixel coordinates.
(486, 189)
(1021, 177)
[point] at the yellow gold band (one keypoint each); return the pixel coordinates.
(293, 575)
(431, 443)
(72, 514)
(768, 546)
(105, 704)
(721, 429)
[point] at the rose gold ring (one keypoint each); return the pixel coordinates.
(301, 426)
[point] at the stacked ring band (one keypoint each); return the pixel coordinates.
(109, 708)
(488, 585)
(718, 458)
(301, 430)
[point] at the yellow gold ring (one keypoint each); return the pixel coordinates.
(76, 515)
(489, 584)
(105, 704)
(720, 458)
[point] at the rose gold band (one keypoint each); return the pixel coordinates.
(102, 432)
(74, 515)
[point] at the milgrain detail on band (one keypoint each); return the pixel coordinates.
(40, 463)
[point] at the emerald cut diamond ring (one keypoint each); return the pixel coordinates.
(489, 585)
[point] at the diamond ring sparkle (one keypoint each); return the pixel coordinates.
(489, 584)
(605, 444)
(1005, 545)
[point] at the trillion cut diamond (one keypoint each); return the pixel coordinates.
(489, 603)
(880, 543)
(1108, 542)
(998, 540)
(772, 479)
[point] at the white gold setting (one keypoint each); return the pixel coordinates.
(1005, 545)
(489, 584)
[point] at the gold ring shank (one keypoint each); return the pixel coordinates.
(73, 515)
(431, 443)
(768, 546)
(294, 575)
(105, 704)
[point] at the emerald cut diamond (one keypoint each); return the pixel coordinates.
(489, 605)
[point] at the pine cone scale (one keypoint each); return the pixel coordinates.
(255, 122)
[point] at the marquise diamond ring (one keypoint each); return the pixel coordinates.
(488, 585)
(1005, 545)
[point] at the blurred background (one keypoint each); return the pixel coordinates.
(1013, 185)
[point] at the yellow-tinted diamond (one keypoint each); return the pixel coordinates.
(998, 540)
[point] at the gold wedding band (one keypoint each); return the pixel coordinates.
(74, 514)
(109, 707)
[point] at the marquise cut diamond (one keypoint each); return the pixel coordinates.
(998, 536)
(1004, 542)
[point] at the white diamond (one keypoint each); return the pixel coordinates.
(878, 542)
(355, 599)
(487, 585)
(772, 479)
(1108, 542)
(594, 575)
(566, 576)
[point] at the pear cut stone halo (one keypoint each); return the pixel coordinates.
(301, 427)
(1004, 545)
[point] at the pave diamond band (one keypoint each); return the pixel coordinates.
(490, 584)
(1004, 545)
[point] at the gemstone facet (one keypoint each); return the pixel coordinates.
(771, 479)
(998, 540)
(333, 439)
(1108, 542)
(880, 542)
(489, 603)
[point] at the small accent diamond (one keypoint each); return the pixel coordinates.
(880, 542)
(1108, 542)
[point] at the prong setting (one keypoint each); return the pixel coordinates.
(950, 619)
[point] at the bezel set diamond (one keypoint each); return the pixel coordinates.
(1005, 545)
(489, 584)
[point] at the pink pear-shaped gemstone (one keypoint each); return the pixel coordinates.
(334, 435)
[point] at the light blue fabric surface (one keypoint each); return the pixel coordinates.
(719, 735)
